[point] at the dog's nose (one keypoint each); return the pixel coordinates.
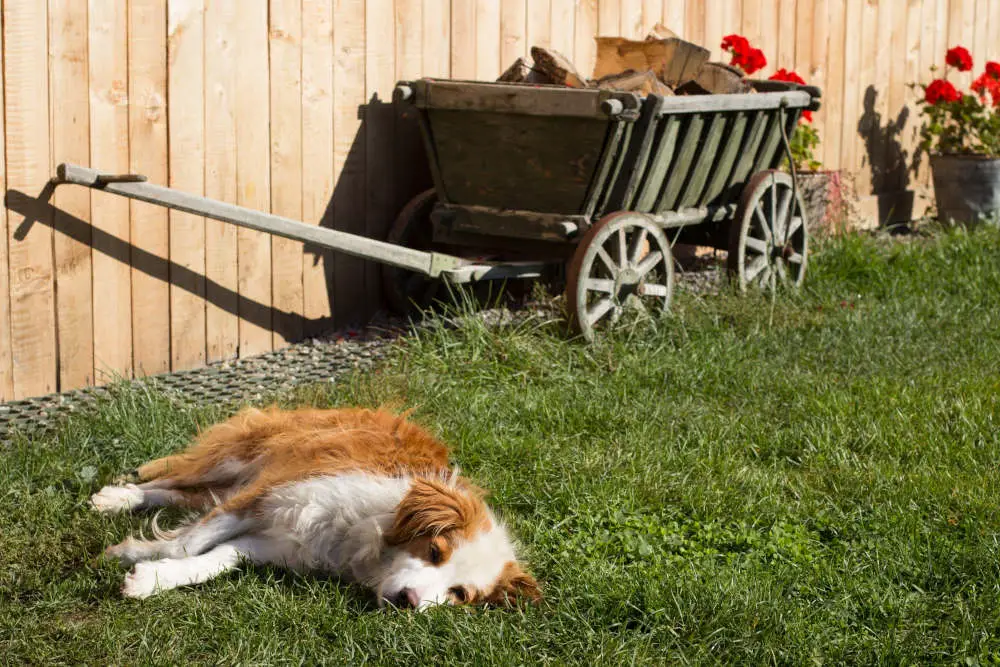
(406, 598)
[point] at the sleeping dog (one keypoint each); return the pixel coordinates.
(366, 495)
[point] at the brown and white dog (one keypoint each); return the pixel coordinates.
(366, 495)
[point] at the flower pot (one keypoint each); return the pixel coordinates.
(966, 187)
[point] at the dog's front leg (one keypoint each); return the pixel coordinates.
(189, 541)
(155, 576)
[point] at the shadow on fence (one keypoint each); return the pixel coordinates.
(890, 170)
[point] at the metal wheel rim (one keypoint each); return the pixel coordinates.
(622, 263)
(409, 292)
(770, 243)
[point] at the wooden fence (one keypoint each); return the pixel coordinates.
(276, 105)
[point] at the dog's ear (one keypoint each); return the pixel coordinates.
(514, 584)
(432, 508)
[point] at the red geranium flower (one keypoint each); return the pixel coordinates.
(807, 116)
(754, 62)
(735, 43)
(787, 75)
(987, 84)
(959, 56)
(993, 69)
(940, 90)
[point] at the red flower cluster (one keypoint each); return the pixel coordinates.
(960, 58)
(791, 77)
(940, 90)
(744, 56)
(988, 83)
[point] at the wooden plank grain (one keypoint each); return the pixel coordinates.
(317, 166)
(630, 25)
(349, 153)
(6, 353)
(834, 102)
(488, 65)
(539, 26)
(563, 27)
(436, 47)
(380, 69)
(147, 84)
(608, 18)
(585, 29)
(107, 46)
(186, 166)
(513, 22)
(32, 294)
(289, 274)
(463, 39)
(852, 87)
(673, 15)
(221, 251)
(253, 175)
(70, 130)
(694, 30)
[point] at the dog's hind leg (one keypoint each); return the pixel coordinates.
(132, 497)
(183, 542)
(150, 577)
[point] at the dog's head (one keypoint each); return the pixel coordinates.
(446, 547)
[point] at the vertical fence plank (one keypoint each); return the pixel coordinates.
(107, 45)
(253, 175)
(786, 36)
(70, 129)
(834, 117)
(6, 350)
(408, 177)
(910, 74)
(32, 296)
(630, 22)
(993, 41)
(488, 65)
(673, 15)
(186, 134)
(147, 85)
(463, 39)
(349, 148)
(539, 26)
(221, 288)
(436, 49)
(961, 32)
(694, 30)
(652, 13)
(563, 27)
(291, 278)
(818, 66)
(608, 17)
(769, 34)
(317, 149)
(380, 68)
(852, 86)
(513, 21)
(585, 49)
(981, 35)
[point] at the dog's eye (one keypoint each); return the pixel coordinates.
(435, 554)
(459, 593)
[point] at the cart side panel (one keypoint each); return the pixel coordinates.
(538, 163)
(705, 161)
(692, 136)
(665, 145)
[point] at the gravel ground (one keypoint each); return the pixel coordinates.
(320, 359)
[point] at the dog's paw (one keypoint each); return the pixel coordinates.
(117, 499)
(144, 580)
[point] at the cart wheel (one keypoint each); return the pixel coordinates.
(408, 291)
(768, 239)
(622, 263)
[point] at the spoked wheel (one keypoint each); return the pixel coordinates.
(406, 291)
(622, 264)
(768, 240)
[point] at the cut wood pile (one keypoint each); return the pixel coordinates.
(662, 64)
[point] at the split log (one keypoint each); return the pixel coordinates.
(644, 83)
(557, 67)
(661, 31)
(673, 60)
(716, 79)
(516, 73)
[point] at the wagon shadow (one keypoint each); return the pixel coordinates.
(888, 160)
(385, 166)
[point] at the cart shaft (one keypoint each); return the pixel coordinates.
(134, 187)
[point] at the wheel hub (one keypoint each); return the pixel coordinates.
(626, 284)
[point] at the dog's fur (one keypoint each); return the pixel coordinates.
(366, 495)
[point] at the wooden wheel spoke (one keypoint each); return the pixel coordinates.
(758, 246)
(782, 216)
(765, 277)
(601, 285)
(599, 310)
(756, 267)
(622, 248)
(793, 226)
(647, 265)
(653, 289)
(795, 258)
(637, 245)
(608, 262)
(762, 219)
(782, 273)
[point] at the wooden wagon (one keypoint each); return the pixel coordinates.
(601, 183)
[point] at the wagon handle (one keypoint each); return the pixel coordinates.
(782, 111)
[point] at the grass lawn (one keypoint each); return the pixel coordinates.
(812, 479)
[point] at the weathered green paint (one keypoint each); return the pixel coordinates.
(705, 161)
(748, 153)
(668, 129)
(727, 159)
(679, 171)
